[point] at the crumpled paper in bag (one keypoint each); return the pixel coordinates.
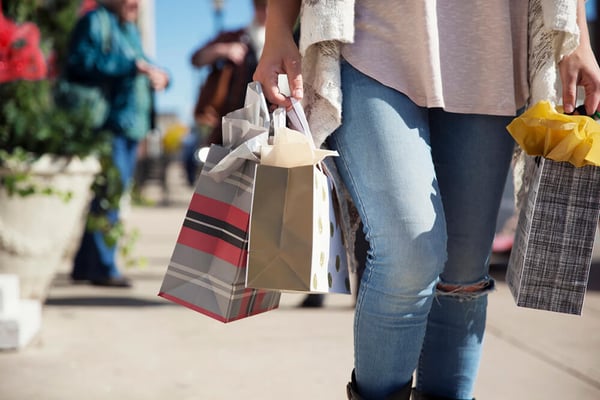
(290, 149)
(545, 131)
(242, 124)
(244, 131)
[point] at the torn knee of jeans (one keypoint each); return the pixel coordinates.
(466, 291)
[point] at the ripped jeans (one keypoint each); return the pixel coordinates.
(428, 185)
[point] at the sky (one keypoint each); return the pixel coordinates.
(181, 26)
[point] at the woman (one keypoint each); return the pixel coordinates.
(106, 51)
(424, 153)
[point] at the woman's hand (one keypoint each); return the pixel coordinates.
(211, 53)
(234, 52)
(280, 57)
(280, 54)
(580, 68)
(158, 78)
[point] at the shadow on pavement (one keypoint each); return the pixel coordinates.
(104, 301)
(62, 280)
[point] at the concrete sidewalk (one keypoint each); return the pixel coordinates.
(129, 344)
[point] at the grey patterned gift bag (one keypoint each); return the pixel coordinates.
(550, 262)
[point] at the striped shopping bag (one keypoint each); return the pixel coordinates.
(207, 270)
(550, 262)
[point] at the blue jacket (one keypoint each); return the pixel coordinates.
(103, 52)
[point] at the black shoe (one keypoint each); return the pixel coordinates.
(117, 282)
(313, 301)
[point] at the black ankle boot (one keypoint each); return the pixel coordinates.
(401, 394)
(423, 396)
(352, 390)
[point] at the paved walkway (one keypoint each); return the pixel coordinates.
(99, 343)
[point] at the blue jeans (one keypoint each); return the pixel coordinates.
(427, 185)
(96, 260)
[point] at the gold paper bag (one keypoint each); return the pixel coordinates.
(295, 241)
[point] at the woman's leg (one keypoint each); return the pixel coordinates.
(472, 155)
(95, 259)
(385, 161)
(124, 155)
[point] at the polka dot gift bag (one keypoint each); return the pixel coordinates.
(295, 241)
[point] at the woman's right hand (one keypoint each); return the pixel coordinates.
(280, 54)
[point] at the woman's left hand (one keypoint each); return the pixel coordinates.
(580, 68)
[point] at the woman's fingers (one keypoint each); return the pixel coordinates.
(268, 71)
(569, 89)
(271, 90)
(580, 68)
(294, 74)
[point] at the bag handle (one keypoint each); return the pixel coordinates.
(298, 121)
(582, 111)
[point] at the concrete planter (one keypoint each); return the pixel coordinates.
(37, 231)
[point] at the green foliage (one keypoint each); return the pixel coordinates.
(29, 119)
(32, 125)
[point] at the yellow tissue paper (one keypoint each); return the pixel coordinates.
(545, 131)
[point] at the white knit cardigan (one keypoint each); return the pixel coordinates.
(553, 34)
(328, 24)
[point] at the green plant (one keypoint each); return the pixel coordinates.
(32, 125)
(17, 180)
(29, 120)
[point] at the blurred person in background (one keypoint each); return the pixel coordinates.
(128, 78)
(232, 57)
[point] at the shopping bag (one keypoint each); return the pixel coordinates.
(207, 269)
(550, 261)
(295, 238)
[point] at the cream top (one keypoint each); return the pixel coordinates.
(462, 56)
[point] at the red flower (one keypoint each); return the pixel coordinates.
(20, 53)
(52, 65)
(87, 6)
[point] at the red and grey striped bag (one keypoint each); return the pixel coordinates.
(207, 270)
